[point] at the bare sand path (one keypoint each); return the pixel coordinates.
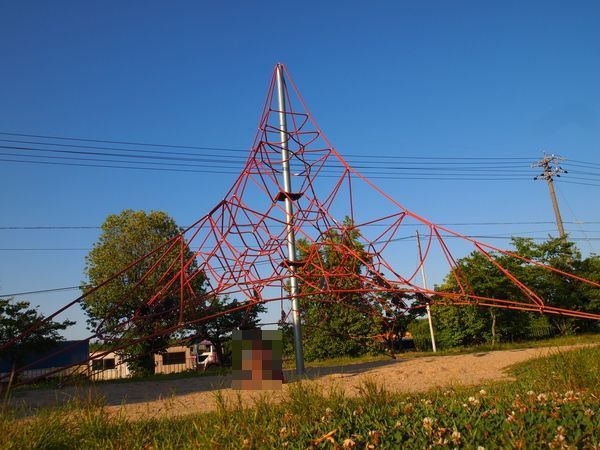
(178, 397)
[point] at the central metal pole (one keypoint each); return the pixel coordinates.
(422, 263)
(289, 219)
(559, 222)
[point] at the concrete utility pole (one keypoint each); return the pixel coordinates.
(289, 216)
(433, 346)
(551, 169)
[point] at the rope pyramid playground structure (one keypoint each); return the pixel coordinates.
(296, 189)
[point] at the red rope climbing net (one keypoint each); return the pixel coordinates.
(240, 246)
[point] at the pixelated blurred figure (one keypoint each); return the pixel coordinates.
(257, 359)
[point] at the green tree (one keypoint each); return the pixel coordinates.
(392, 305)
(590, 270)
(17, 317)
(336, 324)
(458, 326)
(472, 325)
(556, 289)
(120, 309)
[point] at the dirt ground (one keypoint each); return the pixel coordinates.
(178, 397)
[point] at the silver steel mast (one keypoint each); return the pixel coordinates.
(433, 346)
(289, 216)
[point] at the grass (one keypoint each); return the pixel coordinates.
(552, 342)
(553, 403)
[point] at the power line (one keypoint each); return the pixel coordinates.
(90, 227)
(475, 171)
(413, 176)
(364, 164)
(42, 291)
(338, 168)
(108, 141)
(451, 236)
(50, 227)
(229, 149)
(351, 158)
(123, 149)
(585, 162)
(110, 166)
(577, 182)
(467, 169)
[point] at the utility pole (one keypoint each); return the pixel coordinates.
(422, 263)
(551, 169)
(287, 197)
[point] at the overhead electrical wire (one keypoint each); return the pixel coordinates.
(140, 159)
(96, 227)
(108, 141)
(409, 237)
(374, 166)
(411, 176)
(146, 144)
(219, 164)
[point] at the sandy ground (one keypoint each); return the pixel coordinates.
(172, 398)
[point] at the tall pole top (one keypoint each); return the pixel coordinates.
(550, 166)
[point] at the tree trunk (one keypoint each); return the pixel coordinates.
(219, 350)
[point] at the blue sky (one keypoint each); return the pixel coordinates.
(459, 79)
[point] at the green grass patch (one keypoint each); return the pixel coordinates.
(553, 403)
(553, 342)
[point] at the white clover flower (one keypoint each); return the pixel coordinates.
(348, 443)
(511, 417)
(456, 437)
(530, 393)
(542, 398)
(427, 423)
(588, 412)
(560, 438)
(483, 392)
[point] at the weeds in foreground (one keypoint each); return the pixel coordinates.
(554, 403)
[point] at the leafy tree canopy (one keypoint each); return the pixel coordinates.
(17, 317)
(456, 326)
(125, 238)
(336, 324)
